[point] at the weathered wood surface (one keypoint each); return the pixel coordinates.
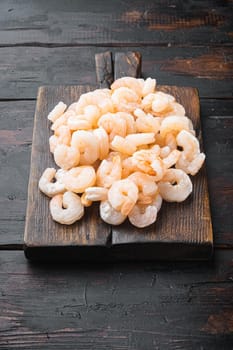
(189, 305)
(104, 69)
(117, 306)
(23, 70)
(120, 23)
(128, 64)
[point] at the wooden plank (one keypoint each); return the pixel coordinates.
(119, 306)
(16, 126)
(127, 64)
(25, 69)
(40, 229)
(120, 23)
(104, 69)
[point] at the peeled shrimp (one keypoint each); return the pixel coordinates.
(143, 215)
(87, 145)
(63, 133)
(176, 109)
(79, 122)
(110, 215)
(131, 83)
(146, 122)
(175, 186)
(162, 102)
(103, 142)
(96, 193)
(79, 178)
(62, 120)
(140, 139)
(59, 175)
(145, 183)
(125, 99)
(173, 125)
(128, 167)
(113, 125)
(109, 171)
(148, 86)
(171, 159)
(57, 111)
(123, 195)
(66, 157)
(158, 103)
(66, 208)
(85, 202)
(193, 166)
(189, 143)
(122, 145)
(149, 162)
(129, 121)
(100, 98)
(86, 121)
(47, 186)
(62, 136)
(191, 159)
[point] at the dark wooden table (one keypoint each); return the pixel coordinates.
(185, 305)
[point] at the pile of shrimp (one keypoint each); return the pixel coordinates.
(129, 147)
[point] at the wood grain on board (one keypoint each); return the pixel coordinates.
(182, 231)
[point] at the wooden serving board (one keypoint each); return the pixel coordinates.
(183, 231)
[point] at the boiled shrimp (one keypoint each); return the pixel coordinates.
(123, 195)
(149, 162)
(62, 136)
(62, 120)
(146, 184)
(57, 111)
(122, 145)
(171, 159)
(148, 86)
(47, 186)
(125, 99)
(176, 109)
(113, 125)
(175, 186)
(129, 121)
(96, 193)
(109, 171)
(146, 122)
(173, 125)
(193, 166)
(129, 82)
(110, 215)
(66, 208)
(103, 142)
(79, 178)
(191, 159)
(100, 98)
(128, 167)
(189, 143)
(143, 215)
(162, 103)
(85, 202)
(66, 157)
(140, 139)
(87, 145)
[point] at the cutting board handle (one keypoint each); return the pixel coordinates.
(125, 64)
